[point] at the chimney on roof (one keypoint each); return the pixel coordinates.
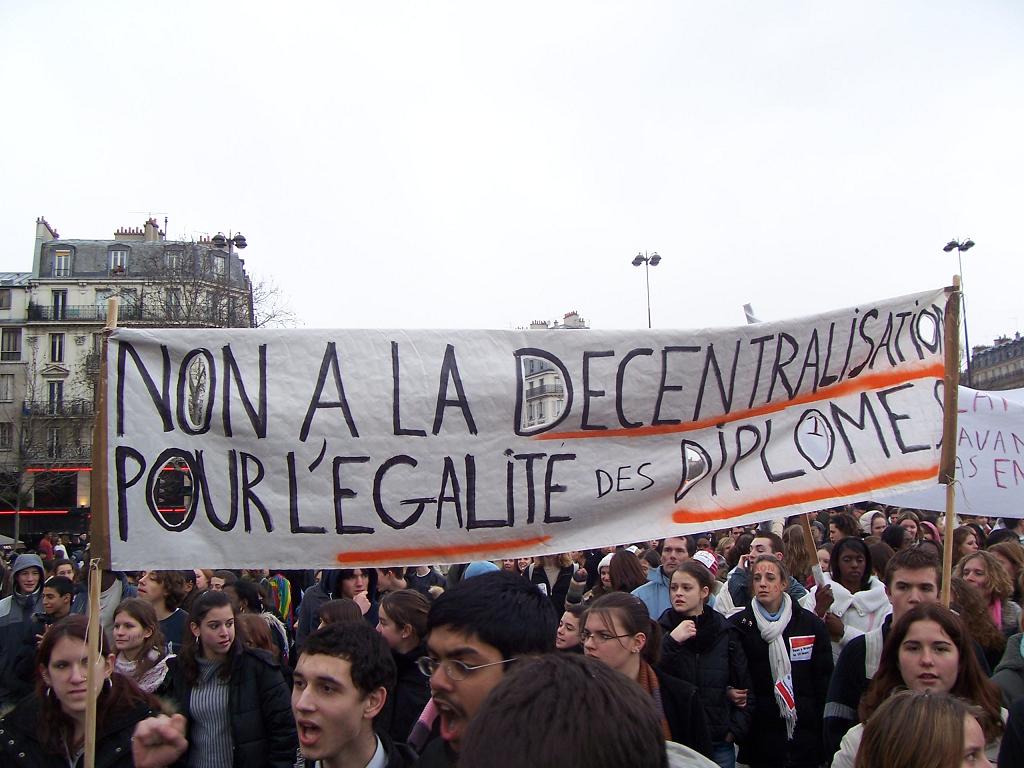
(44, 234)
(152, 231)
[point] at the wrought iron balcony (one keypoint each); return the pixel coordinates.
(76, 408)
(544, 389)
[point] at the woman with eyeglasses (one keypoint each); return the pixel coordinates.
(790, 658)
(619, 632)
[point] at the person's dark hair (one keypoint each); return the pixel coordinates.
(881, 554)
(971, 683)
(338, 611)
(913, 559)
(652, 558)
(699, 572)
(851, 542)
(64, 561)
(626, 572)
(844, 523)
(344, 574)
(407, 607)
(1010, 523)
(502, 609)
(257, 634)
(687, 540)
(249, 593)
(622, 727)
(230, 577)
(143, 613)
(576, 610)
(60, 584)
(997, 536)
(205, 603)
(740, 548)
(369, 657)
(778, 545)
(930, 544)
(634, 618)
(56, 729)
(173, 583)
(895, 536)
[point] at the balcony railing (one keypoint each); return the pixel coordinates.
(544, 389)
(64, 408)
(134, 313)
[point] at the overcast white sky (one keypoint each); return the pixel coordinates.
(470, 164)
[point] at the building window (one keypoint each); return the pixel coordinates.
(53, 447)
(10, 344)
(6, 387)
(56, 347)
(219, 266)
(174, 303)
(56, 397)
(6, 435)
(5, 298)
(540, 411)
(529, 410)
(62, 263)
(172, 259)
(118, 260)
(60, 304)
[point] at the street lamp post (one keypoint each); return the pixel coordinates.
(960, 247)
(648, 261)
(232, 242)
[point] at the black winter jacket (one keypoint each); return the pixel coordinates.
(712, 660)
(684, 713)
(410, 695)
(21, 729)
(766, 743)
(557, 591)
(262, 727)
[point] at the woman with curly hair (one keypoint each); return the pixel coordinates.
(986, 574)
(1011, 555)
(165, 591)
(928, 650)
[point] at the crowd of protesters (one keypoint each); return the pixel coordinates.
(719, 649)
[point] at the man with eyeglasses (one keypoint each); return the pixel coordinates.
(476, 632)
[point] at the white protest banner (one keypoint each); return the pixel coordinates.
(370, 447)
(989, 460)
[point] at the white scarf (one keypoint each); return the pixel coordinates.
(778, 658)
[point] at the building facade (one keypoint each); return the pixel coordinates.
(998, 367)
(544, 390)
(52, 321)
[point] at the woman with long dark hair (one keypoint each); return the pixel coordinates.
(619, 631)
(790, 660)
(234, 698)
(141, 650)
(48, 728)
(928, 649)
(853, 600)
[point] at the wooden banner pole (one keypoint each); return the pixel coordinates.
(99, 538)
(950, 400)
(812, 550)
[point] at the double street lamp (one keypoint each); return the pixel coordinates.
(232, 241)
(960, 247)
(648, 261)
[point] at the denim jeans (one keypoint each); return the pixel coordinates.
(724, 753)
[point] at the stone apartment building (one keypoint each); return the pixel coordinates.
(51, 322)
(545, 390)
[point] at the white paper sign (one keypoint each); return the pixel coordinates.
(299, 448)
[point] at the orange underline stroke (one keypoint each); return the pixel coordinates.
(800, 497)
(388, 555)
(860, 384)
